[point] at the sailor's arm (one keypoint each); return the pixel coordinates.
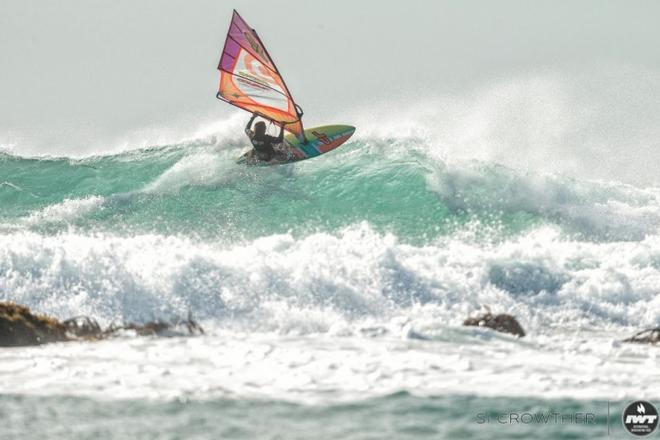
(248, 127)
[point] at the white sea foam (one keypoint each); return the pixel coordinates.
(353, 275)
(65, 211)
(338, 316)
(322, 370)
(547, 122)
(597, 210)
(205, 168)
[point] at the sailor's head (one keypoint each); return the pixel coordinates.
(260, 128)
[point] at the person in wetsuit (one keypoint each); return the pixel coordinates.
(263, 144)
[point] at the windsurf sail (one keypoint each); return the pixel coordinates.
(250, 80)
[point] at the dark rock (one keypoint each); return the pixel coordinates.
(648, 336)
(501, 323)
(20, 327)
(161, 328)
(83, 327)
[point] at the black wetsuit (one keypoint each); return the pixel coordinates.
(263, 145)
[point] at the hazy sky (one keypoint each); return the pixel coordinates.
(75, 73)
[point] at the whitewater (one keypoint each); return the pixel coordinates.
(327, 288)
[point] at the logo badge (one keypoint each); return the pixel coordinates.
(323, 138)
(640, 418)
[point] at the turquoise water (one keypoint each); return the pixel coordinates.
(399, 416)
(195, 190)
(332, 292)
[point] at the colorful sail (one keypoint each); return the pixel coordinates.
(250, 80)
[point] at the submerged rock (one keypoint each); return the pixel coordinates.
(83, 327)
(19, 327)
(161, 328)
(648, 336)
(501, 323)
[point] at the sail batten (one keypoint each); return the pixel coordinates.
(249, 79)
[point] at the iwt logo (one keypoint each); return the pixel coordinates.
(640, 418)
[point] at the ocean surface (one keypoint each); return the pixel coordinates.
(332, 293)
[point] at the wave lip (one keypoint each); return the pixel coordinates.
(396, 183)
(66, 211)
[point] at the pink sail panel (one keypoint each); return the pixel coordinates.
(250, 80)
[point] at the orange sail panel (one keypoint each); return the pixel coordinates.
(250, 80)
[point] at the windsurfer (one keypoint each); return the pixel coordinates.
(264, 145)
